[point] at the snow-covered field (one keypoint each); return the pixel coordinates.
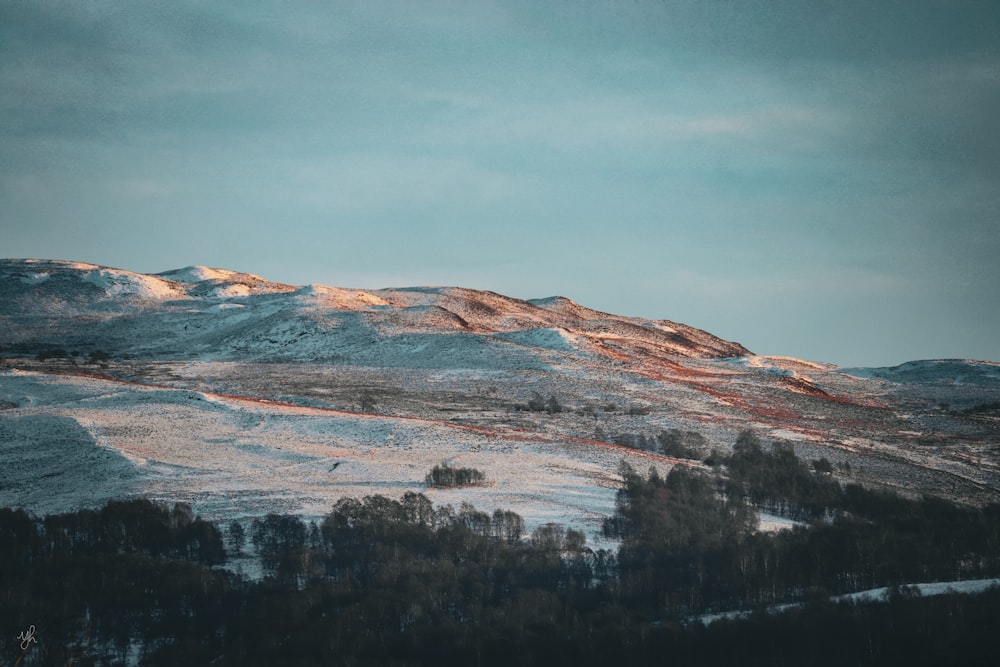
(78, 441)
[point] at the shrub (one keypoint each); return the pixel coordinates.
(99, 357)
(367, 402)
(536, 403)
(445, 476)
(823, 466)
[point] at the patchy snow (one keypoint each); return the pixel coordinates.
(57, 263)
(35, 278)
(230, 291)
(761, 364)
(786, 362)
(551, 302)
(166, 328)
(874, 595)
(778, 365)
(322, 296)
(789, 435)
(197, 274)
(547, 339)
(117, 283)
(772, 523)
(965, 587)
(660, 326)
(235, 458)
(222, 283)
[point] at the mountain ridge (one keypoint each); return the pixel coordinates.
(88, 291)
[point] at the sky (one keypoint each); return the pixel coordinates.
(818, 179)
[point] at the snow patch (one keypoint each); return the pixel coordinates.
(60, 263)
(546, 338)
(874, 595)
(551, 302)
(779, 360)
(117, 283)
(197, 274)
(230, 291)
(772, 523)
(338, 297)
(761, 364)
(35, 278)
(662, 327)
(965, 587)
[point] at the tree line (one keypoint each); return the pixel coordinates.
(384, 581)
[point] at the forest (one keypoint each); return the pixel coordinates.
(383, 581)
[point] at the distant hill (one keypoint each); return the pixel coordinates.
(203, 313)
(935, 371)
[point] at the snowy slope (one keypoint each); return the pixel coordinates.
(80, 441)
(221, 314)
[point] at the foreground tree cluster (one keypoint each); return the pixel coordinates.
(402, 582)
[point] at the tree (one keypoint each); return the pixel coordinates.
(682, 444)
(98, 357)
(748, 445)
(823, 466)
(507, 526)
(237, 537)
(548, 537)
(444, 475)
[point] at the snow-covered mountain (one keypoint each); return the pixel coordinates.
(243, 396)
(215, 314)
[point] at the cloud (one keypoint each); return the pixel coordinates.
(798, 283)
(141, 188)
(805, 150)
(371, 182)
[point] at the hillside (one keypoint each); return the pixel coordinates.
(213, 314)
(243, 396)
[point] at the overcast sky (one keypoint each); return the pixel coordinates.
(815, 179)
